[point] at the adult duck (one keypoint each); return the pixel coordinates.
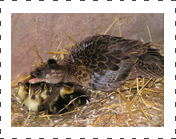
(103, 62)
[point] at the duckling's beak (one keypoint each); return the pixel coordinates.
(48, 93)
(20, 84)
(33, 97)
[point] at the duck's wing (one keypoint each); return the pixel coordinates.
(151, 64)
(105, 61)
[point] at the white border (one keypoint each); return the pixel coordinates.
(87, 6)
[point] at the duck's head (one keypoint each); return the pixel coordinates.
(50, 73)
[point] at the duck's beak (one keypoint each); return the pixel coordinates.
(36, 80)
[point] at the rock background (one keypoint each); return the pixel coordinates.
(46, 31)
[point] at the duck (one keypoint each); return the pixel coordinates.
(103, 62)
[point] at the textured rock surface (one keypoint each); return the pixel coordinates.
(46, 31)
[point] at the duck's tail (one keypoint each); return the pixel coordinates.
(151, 64)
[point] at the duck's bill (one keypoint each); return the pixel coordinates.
(36, 80)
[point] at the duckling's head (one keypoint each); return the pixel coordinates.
(38, 87)
(22, 91)
(22, 85)
(67, 89)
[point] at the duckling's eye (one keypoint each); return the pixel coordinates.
(65, 86)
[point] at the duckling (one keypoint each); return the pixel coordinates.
(46, 92)
(51, 100)
(57, 91)
(71, 100)
(79, 96)
(64, 98)
(33, 101)
(66, 89)
(60, 97)
(22, 91)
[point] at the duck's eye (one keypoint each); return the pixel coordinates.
(54, 72)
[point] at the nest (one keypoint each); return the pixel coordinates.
(138, 102)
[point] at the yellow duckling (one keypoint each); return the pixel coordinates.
(22, 91)
(33, 101)
(65, 90)
(46, 92)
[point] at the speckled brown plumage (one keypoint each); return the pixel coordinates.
(103, 62)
